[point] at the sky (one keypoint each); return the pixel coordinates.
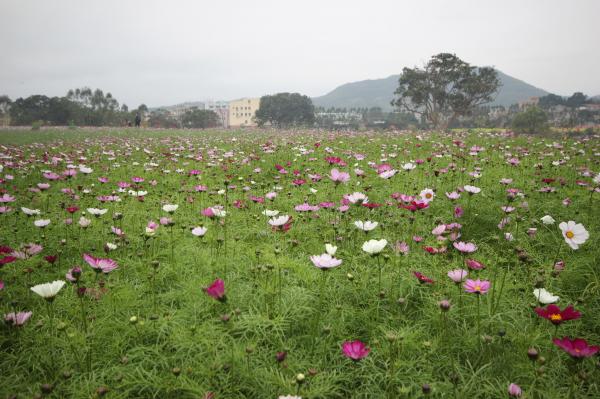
(168, 52)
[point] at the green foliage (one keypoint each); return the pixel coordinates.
(285, 110)
(532, 120)
(199, 118)
(446, 88)
(181, 347)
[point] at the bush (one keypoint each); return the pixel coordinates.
(36, 125)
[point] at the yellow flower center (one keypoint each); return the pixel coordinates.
(428, 195)
(477, 288)
(555, 317)
(569, 234)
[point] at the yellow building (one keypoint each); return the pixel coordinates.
(241, 112)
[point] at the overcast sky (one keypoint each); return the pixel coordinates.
(166, 52)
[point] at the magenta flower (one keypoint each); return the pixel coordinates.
(476, 286)
(458, 275)
(217, 290)
(17, 319)
(74, 274)
(355, 350)
(578, 348)
(100, 265)
(474, 265)
(465, 247)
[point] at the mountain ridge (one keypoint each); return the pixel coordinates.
(380, 92)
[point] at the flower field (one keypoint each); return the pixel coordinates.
(284, 264)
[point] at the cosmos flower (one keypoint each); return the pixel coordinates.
(100, 265)
(465, 247)
(325, 261)
(574, 233)
(427, 195)
(458, 275)
(199, 231)
(578, 348)
(170, 208)
(365, 226)
(217, 290)
(557, 316)
(339, 177)
(269, 213)
(48, 290)
(41, 223)
(545, 297)
(355, 350)
(374, 247)
(422, 278)
(330, 249)
(547, 219)
(476, 286)
(472, 189)
(30, 212)
(514, 391)
(97, 212)
(17, 319)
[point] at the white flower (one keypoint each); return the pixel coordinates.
(42, 223)
(312, 190)
(30, 212)
(199, 231)
(85, 170)
(409, 166)
(269, 213)
(48, 290)
(388, 173)
(548, 219)
(574, 233)
(111, 246)
(170, 208)
(218, 212)
(84, 222)
(544, 297)
(96, 211)
(373, 247)
(330, 249)
(427, 195)
(325, 261)
(279, 221)
(357, 198)
(221, 191)
(137, 193)
(472, 189)
(365, 226)
(597, 179)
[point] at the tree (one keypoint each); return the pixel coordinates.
(576, 100)
(551, 100)
(446, 88)
(286, 109)
(533, 120)
(199, 118)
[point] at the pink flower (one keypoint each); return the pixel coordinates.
(474, 265)
(325, 261)
(339, 177)
(401, 247)
(74, 274)
(217, 290)
(355, 350)
(476, 286)
(99, 264)
(514, 391)
(17, 319)
(458, 212)
(465, 247)
(458, 275)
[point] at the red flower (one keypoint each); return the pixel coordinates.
(415, 206)
(371, 205)
(51, 258)
(5, 250)
(6, 260)
(557, 316)
(423, 278)
(217, 290)
(72, 209)
(577, 348)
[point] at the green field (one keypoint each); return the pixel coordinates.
(148, 329)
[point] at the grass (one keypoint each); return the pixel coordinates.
(182, 347)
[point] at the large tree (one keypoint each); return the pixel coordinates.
(285, 109)
(446, 88)
(532, 120)
(199, 118)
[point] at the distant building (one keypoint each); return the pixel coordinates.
(242, 111)
(177, 111)
(221, 108)
(532, 102)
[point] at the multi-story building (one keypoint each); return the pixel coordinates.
(221, 108)
(241, 112)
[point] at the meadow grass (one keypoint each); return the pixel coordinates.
(181, 343)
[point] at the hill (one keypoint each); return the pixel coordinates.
(380, 92)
